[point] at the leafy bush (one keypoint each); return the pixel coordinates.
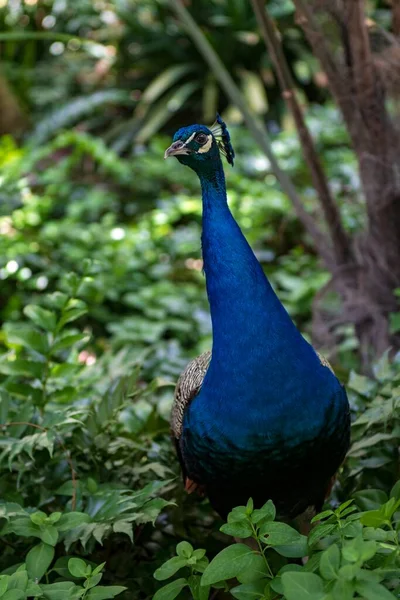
(23, 583)
(65, 429)
(350, 554)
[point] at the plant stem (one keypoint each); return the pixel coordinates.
(255, 536)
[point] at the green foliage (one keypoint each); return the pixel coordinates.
(350, 555)
(376, 430)
(25, 580)
(86, 48)
(63, 433)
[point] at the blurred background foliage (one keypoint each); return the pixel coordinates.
(93, 221)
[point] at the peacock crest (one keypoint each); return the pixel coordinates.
(223, 139)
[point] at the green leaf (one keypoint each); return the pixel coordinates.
(73, 110)
(373, 518)
(343, 590)
(69, 340)
(25, 335)
(295, 549)
(266, 513)
(320, 531)
(276, 583)
(341, 509)
(373, 591)
(24, 527)
(376, 534)
(99, 568)
(240, 529)
(369, 442)
(49, 535)
(3, 583)
(394, 322)
(124, 527)
(58, 591)
(171, 590)
(54, 517)
(77, 567)
(254, 571)
(61, 567)
(92, 581)
(370, 499)
(302, 586)
(33, 590)
(102, 592)
(170, 567)
(227, 564)
(368, 550)
(199, 592)
(360, 384)
(330, 562)
(198, 554)
(38, 560)
(57, 300)
(25, 368)
(72, 314)
(14, 595)
(278, 534)
(38, 517)
(184, 549)
(200, 565)
(237, 514)
(249, 506)
(349, 572)
(395, 491)
(351, 552)
(249, 591)
(322, 515)
(25, 392)
(160, 84)
(40, 316)
(71, 520)
(18, 580)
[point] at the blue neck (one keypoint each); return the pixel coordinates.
(245, 310)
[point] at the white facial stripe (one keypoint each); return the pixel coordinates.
(190, 138)
(206, 146)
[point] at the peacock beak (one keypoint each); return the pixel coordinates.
(176, 148)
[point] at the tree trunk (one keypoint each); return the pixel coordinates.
(368, 282)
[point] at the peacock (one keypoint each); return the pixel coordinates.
(262, 415)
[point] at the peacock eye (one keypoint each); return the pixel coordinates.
(201, 138)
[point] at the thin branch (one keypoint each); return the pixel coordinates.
(340, 240)
(375, 159)
(256, 127)
(370, 97)
(338, 85)
(396, 17)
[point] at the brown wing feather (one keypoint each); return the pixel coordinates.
(188, 386)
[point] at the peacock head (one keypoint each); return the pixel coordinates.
(199, 147)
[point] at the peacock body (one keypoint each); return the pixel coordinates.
(263, 415)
